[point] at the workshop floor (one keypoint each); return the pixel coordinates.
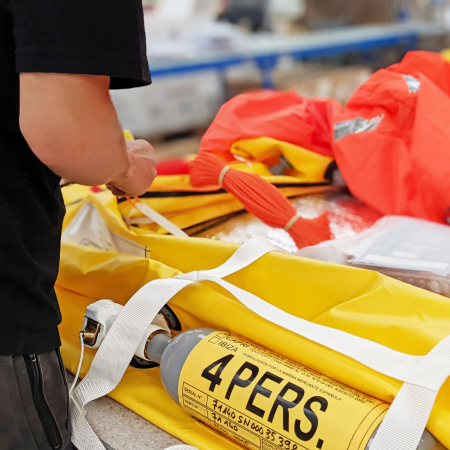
(123, 429)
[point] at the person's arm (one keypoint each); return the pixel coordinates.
(71, 125)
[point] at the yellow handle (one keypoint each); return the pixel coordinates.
(128, 135)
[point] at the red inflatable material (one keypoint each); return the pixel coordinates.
(430, 64)
(177, 166)
(396, 158)
(285, 116)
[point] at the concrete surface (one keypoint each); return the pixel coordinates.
(123, 429)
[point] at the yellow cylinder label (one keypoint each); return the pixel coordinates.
(264, 401)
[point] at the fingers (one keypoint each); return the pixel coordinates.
(142, 171)
(117, 192)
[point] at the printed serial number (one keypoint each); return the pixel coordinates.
(249, 424)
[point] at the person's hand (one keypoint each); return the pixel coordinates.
(141, 171)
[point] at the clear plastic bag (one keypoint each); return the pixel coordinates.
(411, 250)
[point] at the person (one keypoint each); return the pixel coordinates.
(58, 60)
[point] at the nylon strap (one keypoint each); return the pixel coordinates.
(159, 219)
(404, 423)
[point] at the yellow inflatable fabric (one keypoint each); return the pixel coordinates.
(181, 208)
(307, 166)
(446, 54)
(174, 197)
(257, 155)
(361, 302)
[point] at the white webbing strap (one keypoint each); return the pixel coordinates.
(159, 219)
(119, 345)
(423, 375)
(115, 354)
(408, 415)
(245, 255)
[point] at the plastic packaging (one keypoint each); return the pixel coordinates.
(411, 250)
(88, 228)
(262, 400)
(347, 216)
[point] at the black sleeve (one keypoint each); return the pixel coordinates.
(94, 37)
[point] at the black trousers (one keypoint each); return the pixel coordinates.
(34, 403)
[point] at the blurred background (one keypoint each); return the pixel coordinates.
(203, 52)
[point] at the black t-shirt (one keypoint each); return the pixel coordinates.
(95, 37)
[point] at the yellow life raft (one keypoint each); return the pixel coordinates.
(360, 302)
